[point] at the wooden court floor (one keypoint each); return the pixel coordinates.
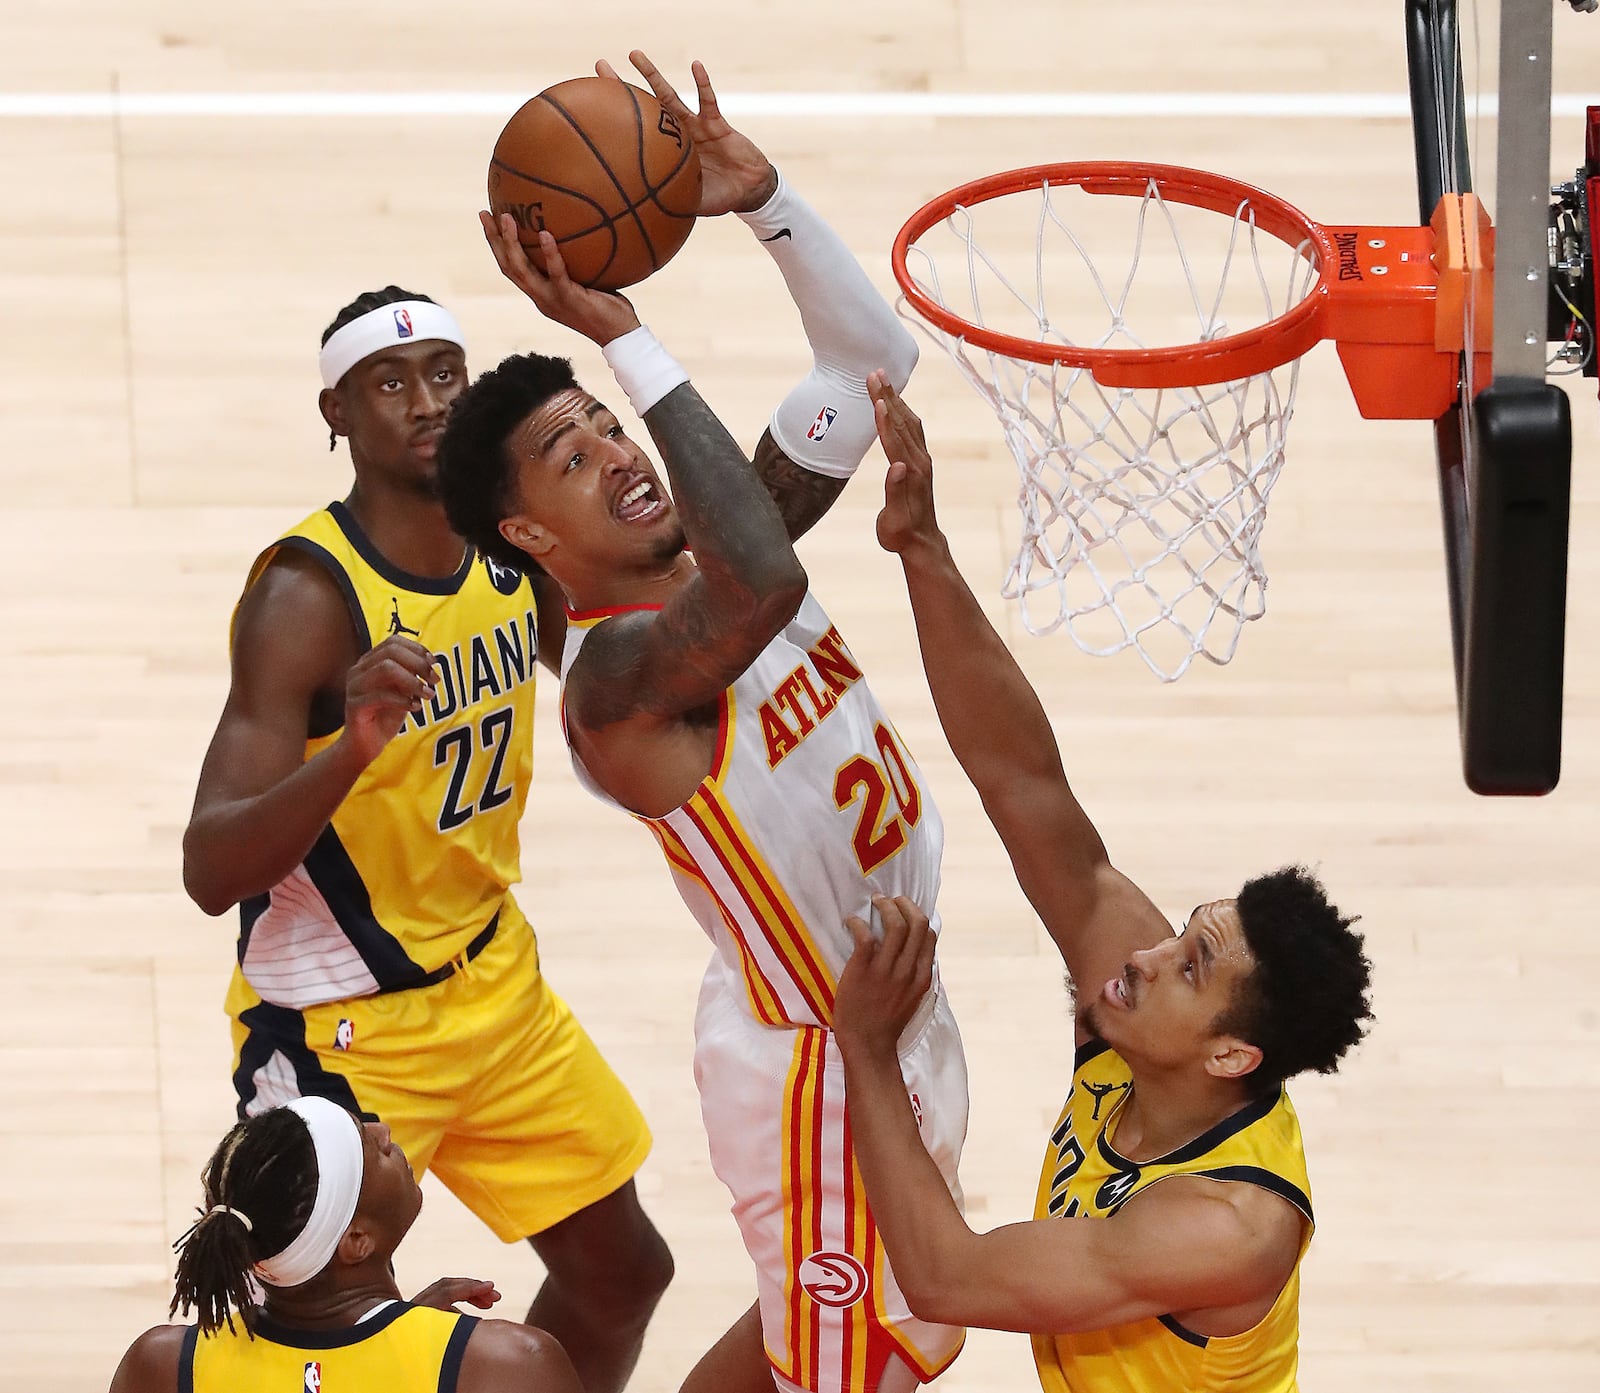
(163, 283)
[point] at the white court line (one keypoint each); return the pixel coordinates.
(1351, 105)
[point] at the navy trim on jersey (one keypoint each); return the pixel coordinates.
(191, 1337)
(250, 910)
(330, 869)
(280, 1030)
(267, 1329)
(419, 585)
(1267, 1180)
(1188, 1336)
(1209, 1140)
(330, 563)
(454, 1352)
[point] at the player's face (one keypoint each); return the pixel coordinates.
(394, 406)
(588, 498)
(1162, 1008)
(388, 1188)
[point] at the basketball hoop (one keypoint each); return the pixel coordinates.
(1149, 435)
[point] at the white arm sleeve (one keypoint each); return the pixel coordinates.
(826, 422)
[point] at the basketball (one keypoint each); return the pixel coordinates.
(603, 166)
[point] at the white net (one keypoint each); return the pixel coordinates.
(1142, 508)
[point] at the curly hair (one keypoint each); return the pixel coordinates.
(475, 470)
(1307, 1000)
(371, 300)
(266, 1170)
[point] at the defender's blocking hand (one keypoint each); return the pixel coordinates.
(907, 516)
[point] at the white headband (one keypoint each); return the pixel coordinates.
(337, 1140)
(407, 321)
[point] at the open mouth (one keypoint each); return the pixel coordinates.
(639, 502)
(1118, 993)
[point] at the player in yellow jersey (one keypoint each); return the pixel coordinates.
(360, 803)
(1177, 1164)
(706, 692)
(306, 1204)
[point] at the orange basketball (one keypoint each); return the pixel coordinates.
(607, 170)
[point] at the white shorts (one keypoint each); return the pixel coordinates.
(773, 1102)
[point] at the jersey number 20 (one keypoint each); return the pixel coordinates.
(879, 833)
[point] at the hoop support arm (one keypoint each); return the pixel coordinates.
(1402, 302)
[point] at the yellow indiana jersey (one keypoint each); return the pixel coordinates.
(401, 1349)
(1083, 1175)
(415, 864)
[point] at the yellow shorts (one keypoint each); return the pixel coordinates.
(486, 1078)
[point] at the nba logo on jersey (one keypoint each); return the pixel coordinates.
(344, 1035)
(402, 323)
(313, 1383)
(819, 427)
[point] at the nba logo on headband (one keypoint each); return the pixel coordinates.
(402, 323)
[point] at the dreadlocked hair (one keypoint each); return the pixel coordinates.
(372, 300)
(265, 1169)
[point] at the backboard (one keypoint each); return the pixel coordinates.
(1505, 448)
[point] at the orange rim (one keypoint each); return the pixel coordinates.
(1240, 355)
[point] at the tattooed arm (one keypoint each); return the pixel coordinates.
(802, 495)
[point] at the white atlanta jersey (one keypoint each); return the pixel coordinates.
(812, 806)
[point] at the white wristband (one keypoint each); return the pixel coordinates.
(643, 368)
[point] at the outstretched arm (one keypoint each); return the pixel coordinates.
(1186, 1245)
(998, 729)
(823, 428)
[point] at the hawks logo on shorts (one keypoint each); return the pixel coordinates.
(834, 1279)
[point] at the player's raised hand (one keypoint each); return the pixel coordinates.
(886, 979)
(385, 686)
(735, 176)
(600, 315)
(907, 517)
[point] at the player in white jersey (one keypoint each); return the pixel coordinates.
(710, 696)
(805, 765)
